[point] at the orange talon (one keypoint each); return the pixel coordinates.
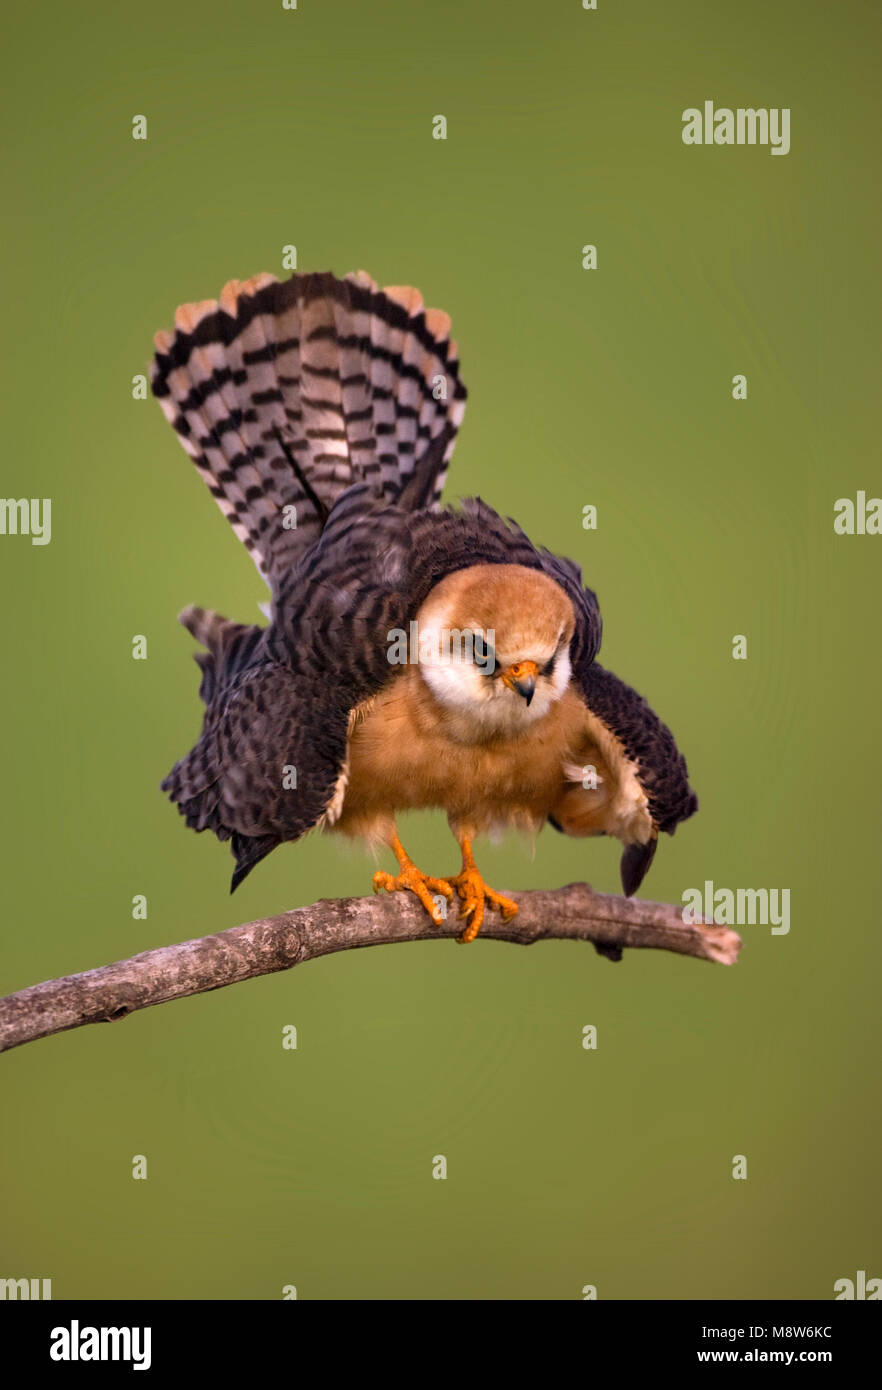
(414, 880)
(474, 894)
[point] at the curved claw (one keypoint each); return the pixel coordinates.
(474, 895)
(415, 881)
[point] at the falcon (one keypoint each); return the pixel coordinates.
(416, 655)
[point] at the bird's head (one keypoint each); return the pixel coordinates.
(494, 646)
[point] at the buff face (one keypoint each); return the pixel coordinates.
(517, 663)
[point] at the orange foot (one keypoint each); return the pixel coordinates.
(474, 894)
(416, 881)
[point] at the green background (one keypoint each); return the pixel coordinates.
(613, 387)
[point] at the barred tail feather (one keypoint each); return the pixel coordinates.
(284, 394)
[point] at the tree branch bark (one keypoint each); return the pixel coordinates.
(278, 943)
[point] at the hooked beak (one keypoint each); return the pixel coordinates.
(522, 678)
(635, 865)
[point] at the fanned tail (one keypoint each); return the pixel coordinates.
(284, 394)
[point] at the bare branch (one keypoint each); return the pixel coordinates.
(278, 943)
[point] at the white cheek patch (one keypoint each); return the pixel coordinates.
(490, 707)
(563, 669)
(449, 667)
(456, 683)
(459, 681)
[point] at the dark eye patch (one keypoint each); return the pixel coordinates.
(549, 666)
(484, 655)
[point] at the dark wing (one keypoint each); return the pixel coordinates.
(646, 740)
(272, 745)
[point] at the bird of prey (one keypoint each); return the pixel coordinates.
(417, 655)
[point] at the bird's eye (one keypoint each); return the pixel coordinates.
(484, 655)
